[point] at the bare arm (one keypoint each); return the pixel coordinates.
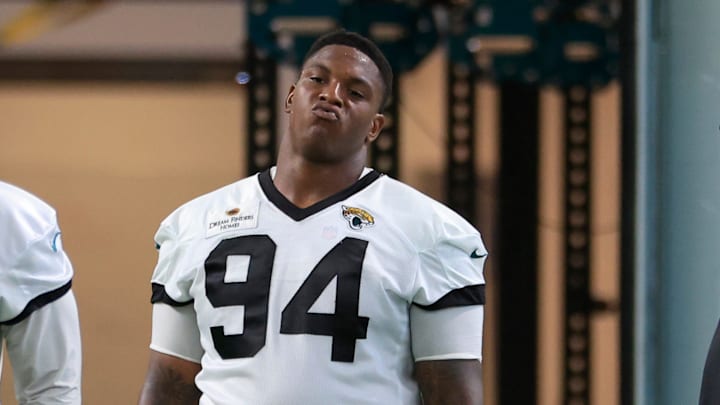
(170, 381)
(456, 382)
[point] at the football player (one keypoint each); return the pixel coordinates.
(38, 313)
(319, 281)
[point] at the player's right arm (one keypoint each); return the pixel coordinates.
(175, 348)
(174, 357)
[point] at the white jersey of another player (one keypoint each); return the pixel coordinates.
(38, 313)
(330, 304)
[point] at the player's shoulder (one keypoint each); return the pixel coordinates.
(421, 217)
(193, 212)
(22, 213)
(413, 203)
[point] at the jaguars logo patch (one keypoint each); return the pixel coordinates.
(357, 217)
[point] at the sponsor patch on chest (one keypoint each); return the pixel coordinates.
(232, 219)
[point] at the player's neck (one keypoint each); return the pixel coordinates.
(304, 183)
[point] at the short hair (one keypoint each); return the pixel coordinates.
(362, 44)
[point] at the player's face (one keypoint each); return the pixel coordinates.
(334, 105)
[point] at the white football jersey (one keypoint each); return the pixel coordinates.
(311, 305)
(34, 269)
(38, 313)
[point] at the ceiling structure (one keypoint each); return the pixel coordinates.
(123, 30)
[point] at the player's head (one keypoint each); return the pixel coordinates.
(362, 44)
(334, 106)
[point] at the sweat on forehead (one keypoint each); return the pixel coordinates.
(362, 44)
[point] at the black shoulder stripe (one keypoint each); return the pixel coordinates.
(470, 295)
(159, 295)
(39, 302)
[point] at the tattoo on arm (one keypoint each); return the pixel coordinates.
(174, 390)
(167, 386)
(450, 382)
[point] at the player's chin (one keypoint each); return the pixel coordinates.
(322, 126)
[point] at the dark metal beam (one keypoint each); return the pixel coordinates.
(261, 112)
(157, 70)
(460, 147)
(518, 243)
(578, 216)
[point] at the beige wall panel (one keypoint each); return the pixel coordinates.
(422, 126)
(114, 160)
(551, 246)
(605, 255)
(487, 161)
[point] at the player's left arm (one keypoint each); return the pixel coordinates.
(447, 347)
(450, 381)
(45, 354)
(447, 313)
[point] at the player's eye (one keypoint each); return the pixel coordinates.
(315, 79)
(357, 94)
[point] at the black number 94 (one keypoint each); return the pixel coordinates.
(343, 261)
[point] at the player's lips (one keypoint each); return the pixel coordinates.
(326, 111)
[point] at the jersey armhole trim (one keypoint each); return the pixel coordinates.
(159, 295)
(39, 302)
(172, 353)
(470, 295)
(451, 356)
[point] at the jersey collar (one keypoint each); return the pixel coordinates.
(297, 213)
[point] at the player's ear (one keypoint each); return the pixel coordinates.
(375, 127)
(289, 98)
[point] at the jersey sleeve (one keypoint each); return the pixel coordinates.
(45, 354)
(446, 318)
(175, 332)
(448, 333)
(450, 269)
(40, 273)
(172, 277)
